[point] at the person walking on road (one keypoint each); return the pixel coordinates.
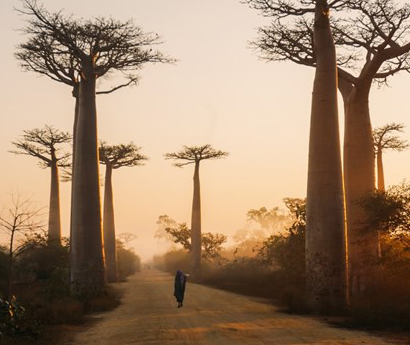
(179, 287)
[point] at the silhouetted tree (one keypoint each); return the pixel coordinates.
(43, 144)
(114, 157)
(270, 221)
(372, 38)
(194, 155)
(19, 220)
(77, 52)
(384, 140)
(179, 233)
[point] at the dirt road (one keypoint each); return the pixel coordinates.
(148, 315)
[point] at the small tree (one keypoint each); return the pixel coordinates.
(194, 155)
(114, 157)
(383, 139)
(43, 144)
(19, 221)
(179, 233)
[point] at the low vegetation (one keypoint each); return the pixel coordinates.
(41, 300)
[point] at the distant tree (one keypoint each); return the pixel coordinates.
(383, 139)
(114, 157)
(77, 52)
(164, 222)
(211, 243)
(194, 155)
(43, 144)
(272, 221)
(19, 221)
(373, 42)
(180, 234)
(285, 251)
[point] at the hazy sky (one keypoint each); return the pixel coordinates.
(218, 92)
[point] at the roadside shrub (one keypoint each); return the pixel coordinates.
(127, 262)
(176, 259)
(14, 321)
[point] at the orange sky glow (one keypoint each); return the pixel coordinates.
(218, 92)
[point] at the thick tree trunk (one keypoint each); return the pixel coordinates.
(76, 95)
(54, 221)
(196, 226)
(380, 172)
(359, 179)
(109, 228)
(87, 260)
(325, 235)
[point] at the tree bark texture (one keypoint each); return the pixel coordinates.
(359, 179)
(196, 226)
(380, 172)
(54, 220)
(109, 228)
(87, 259)
(76, 95)
(325, 232)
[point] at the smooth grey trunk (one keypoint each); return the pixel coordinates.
(325, 233)
(109, 228)
(86, 252)
(54, 220)
(359, 179)
(196, 236)
(75, 93)
(380, 172)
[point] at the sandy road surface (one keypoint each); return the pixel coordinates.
(148, 315)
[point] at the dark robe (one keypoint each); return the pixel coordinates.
(179, 286)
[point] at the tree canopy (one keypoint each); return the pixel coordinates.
(65, 49)
(122, 155)
(385, 140)
(42, 144)
(195, 154)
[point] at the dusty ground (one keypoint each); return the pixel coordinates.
(148, 315)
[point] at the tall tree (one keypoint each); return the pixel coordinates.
(114, 157)
(43, 144)
(194, 155)
(325, 233)
(325, 246)
(77, 52)
(383, 139)
(371, 37)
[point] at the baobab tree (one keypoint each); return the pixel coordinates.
(43, 144)
(194, 155)
(383, 139)
(372, 43)
(77, 52)
(325, 233)
(114, 157)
